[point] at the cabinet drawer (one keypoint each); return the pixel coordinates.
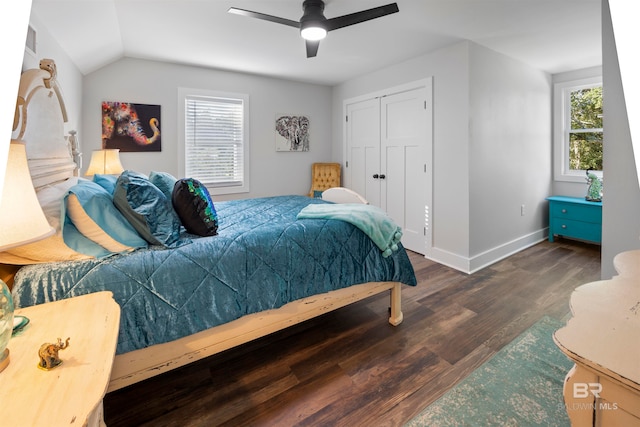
(573, 211)
(577, 229)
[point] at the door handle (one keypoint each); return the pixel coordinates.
(376, 176)
(382, 176)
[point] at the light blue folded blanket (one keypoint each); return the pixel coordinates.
(373, 221)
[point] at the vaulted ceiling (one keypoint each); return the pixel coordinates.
(552, 35)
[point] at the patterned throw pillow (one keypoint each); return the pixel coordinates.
(192, 203)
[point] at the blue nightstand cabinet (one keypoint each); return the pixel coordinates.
(576, 218)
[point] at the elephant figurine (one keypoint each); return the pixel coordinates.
(49, 354)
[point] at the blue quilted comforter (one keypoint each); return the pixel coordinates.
(262, 258)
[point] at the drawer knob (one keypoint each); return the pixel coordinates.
(564, 226)
(564, 211)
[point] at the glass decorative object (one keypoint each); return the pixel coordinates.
(594, 191)
(6, 323)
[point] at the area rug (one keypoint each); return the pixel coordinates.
(521, 385)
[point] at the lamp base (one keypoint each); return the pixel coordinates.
(4, 359)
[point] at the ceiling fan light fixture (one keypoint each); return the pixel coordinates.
(313, 25)
(313, 32)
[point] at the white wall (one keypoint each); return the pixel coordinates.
(449, 68)
(510, 150)
(149, 82)
(491, 149)
(621, 200)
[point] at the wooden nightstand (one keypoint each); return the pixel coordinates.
(603, 388)
(72, 393)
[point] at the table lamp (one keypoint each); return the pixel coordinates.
(106, 162)
(21, 221)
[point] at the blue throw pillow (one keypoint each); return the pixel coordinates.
(108, 182)
(192, 203)
(93, 225)
(164, 181)
(147, 209)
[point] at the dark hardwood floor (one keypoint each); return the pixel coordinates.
(350, 367)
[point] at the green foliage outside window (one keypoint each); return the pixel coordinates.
(585, 140)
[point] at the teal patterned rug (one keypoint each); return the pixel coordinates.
(520, 386)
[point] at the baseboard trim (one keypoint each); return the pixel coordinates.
(505, 250)
(449, 259)
(476, 263)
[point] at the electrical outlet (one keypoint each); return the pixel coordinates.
(521, 210)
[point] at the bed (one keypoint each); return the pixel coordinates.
(267, 266)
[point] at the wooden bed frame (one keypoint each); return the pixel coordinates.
(40, 117)
(129, 368)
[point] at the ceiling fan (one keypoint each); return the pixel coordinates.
(314, 26)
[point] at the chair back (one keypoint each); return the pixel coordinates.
(324, 176)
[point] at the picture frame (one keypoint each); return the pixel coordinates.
(131, 127)
(292, 132)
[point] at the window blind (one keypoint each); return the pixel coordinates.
(214, 140)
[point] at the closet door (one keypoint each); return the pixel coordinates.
(389, 142)
(363, 149)
(405, 142)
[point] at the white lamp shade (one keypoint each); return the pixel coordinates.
(105, 162)
(21, 218)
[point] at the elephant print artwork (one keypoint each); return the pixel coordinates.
(292, 133)
(131, 127)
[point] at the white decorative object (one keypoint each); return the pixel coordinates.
(74, 149)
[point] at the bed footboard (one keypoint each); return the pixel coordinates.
(138, 365)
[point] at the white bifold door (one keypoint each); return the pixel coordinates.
(389, 156)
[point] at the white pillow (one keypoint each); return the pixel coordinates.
(343, 195)
(88, 227)
(94, 226)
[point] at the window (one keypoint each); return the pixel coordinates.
(215, 145)
(578, 129)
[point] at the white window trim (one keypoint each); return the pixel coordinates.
(561, 117)
(183, 92)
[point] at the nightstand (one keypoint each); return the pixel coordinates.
(575, 217)
(72, 393)
(603, 387)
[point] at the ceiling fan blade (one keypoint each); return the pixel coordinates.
(312, 48)
(362, 16)
(264, 17)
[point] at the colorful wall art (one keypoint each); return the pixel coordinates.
(131, 127)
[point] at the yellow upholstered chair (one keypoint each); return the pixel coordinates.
(324, 176)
